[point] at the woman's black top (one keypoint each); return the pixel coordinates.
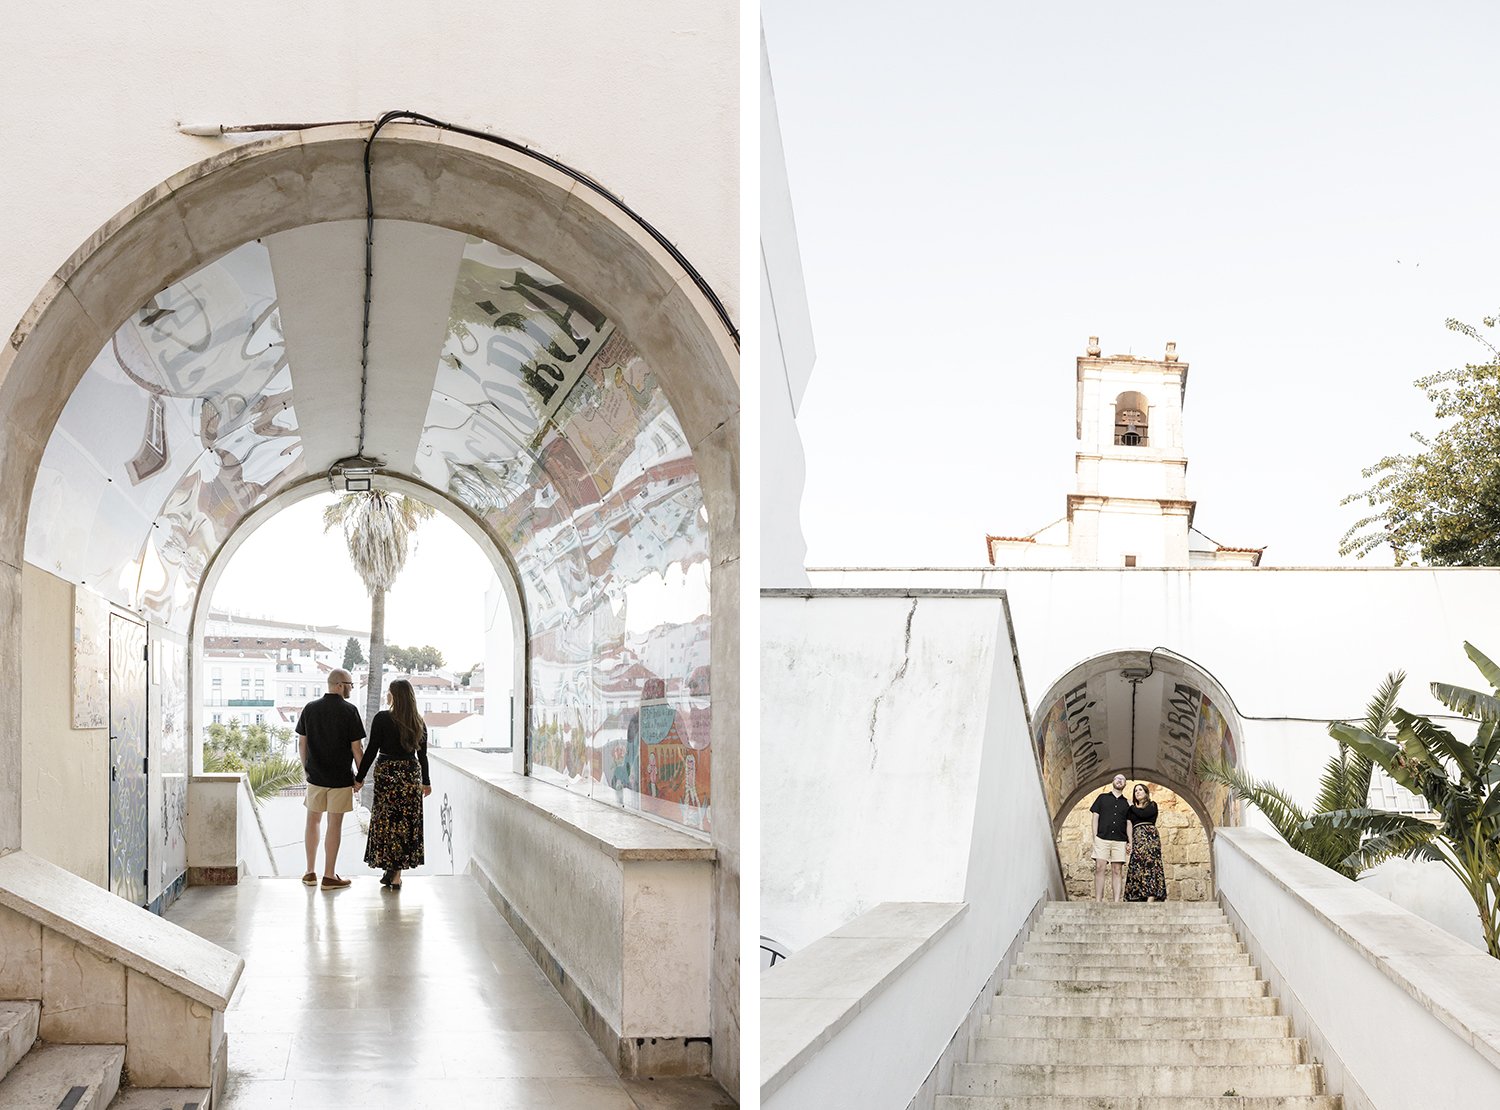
(1145, 815)
(385, 742)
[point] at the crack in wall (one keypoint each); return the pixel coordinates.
(891, 685)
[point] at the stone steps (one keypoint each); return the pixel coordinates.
(45, 1076)
(37, 1076)
(1147, 989)
(1137, 1079)
(1115, 1006)
(1165, 930)
(1169, 948)
(1094, 1050)
(1136, 1006)
(1060, 968)
(1148, 1102)
(160, 1098)
(18, 1030)
(1120, 961)
(1155, 1026)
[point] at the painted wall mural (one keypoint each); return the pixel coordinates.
(181, 425)
(547, 422)
(1070, 741)
(543, 419)
(1072, 738)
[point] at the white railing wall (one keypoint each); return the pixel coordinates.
(1402, 1015)
(907, 708)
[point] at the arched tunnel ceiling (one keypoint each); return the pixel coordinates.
(490, 380)
(1095, 722)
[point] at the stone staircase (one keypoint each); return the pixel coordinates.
(38, 1076)
(1134, 1006)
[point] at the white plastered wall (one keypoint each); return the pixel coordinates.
(786, 362)
(65, 792)
(97, 93)
(898, 766)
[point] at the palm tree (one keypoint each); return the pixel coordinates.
(1345, 786)
(378, 528)
(266, 777)
(1461, 783)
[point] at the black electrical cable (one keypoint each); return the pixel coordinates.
(562, 167)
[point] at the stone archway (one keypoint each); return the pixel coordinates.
(423, 176)
(1187, 857)
(472, 526)
(1151, 716)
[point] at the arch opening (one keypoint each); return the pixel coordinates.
(154, 409)
(1132, 420)
(1187, 859)
(1153, 717)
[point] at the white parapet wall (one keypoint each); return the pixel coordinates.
(1401, 1014)
(617, 909)
(897, 768)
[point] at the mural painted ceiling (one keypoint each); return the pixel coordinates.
(537, 414)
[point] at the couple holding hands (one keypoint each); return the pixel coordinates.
(1127, 830)
(330, 737)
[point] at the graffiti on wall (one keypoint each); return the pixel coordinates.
(1070, 740)
(1193, 728)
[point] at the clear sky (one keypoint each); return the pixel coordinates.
(1297, 194)
(291, 570)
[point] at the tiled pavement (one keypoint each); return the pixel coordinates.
(425, 998)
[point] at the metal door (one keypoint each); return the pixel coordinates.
(128, 812)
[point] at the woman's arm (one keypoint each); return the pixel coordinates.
(422, 759)
(379, 730)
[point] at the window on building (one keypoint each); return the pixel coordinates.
(1130, 420)
(1130, 560)
(218, 718)
(1388, 794)
(260, 718)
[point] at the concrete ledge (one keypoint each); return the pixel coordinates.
(637, 1057)
(619, 833)
(115, 930)
(1348, 962)
(808, 999)
(616, 910)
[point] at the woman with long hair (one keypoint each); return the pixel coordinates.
(1145, 879)
(398, 752)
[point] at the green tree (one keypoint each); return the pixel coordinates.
(1461, 783)
(1345, 785)
(378, 529)
(354, 655)
(1441, 505)
(428, 658)
(259, 752)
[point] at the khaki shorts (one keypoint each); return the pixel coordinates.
(1111, 850)
(332, 799)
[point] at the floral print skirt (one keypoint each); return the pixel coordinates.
(395, 839)
(1144, 878)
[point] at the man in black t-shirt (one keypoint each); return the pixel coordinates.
(1111, 839)
(329, 732)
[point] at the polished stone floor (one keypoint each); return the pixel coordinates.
(425, 998)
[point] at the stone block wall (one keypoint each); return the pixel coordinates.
(1184, 849)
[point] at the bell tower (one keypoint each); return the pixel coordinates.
(1129, 506)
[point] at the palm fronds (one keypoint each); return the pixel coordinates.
(378, 528)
